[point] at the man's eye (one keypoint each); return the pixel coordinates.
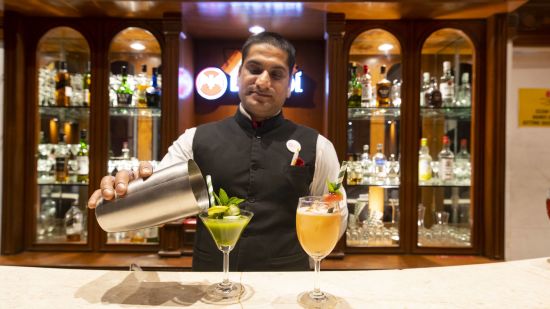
(277, 75)
(255, 71)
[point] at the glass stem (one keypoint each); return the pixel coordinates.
(225, 267)
(316, 290)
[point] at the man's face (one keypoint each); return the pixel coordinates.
(264, 81)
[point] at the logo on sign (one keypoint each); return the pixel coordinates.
(211, 83)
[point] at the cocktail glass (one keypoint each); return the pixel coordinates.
(318, 229)
(226, 233)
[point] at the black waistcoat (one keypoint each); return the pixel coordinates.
(254, 164)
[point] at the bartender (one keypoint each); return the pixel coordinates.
(250, 155)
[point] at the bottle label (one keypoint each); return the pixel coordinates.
(447, 91)
(446, 171)
(383, 92)
(83, 164)
(424, 170)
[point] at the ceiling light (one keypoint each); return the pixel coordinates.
(256, 29)
(137, 46)
(385, 47)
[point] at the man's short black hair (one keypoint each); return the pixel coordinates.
(273, 39)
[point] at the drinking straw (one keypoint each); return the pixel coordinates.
(210, 189)
(342, 172)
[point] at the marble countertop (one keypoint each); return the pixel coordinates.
(517, 284)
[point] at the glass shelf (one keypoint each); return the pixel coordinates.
(455, 112)
(380, 185)
(360, 113)
(65, 112)
(130, 111)
(63, 184)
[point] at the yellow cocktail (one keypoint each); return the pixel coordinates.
(318, 228)
(317, 232)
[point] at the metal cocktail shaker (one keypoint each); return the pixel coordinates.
(169, 194)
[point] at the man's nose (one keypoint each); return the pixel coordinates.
(263, 80)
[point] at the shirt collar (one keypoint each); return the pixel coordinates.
(244, 119)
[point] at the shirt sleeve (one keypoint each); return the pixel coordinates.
(327, 166)
(180, 151)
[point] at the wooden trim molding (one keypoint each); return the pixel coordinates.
(335, 108)
(495, 138)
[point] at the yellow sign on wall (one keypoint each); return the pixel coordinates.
(534, 107)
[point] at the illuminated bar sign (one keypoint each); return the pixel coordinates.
(534, 107)
(211, 83)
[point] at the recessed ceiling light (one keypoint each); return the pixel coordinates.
(256, 29)
(385, 47)
(137, 46)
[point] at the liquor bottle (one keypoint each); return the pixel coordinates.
(446, 161)
(548, 204)
(124, 92)
(447, 85)
(462, 162)
(125, 151)
(393, 170)
(379, 160)
(354, 88)
(425, 88)
(383, 89)
(366, 87)
(395, 94)
(82, 159)
(433, 95)
(74, 220)
(151, 235)
(61, 168)
(63, 90)
(86, 82)
(366, 163)
(142, 85)
(424, 161)
(46, 217)
(153, 93)
(464, 95)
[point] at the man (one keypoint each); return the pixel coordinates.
(248, 156)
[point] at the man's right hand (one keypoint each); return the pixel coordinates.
(112, 187)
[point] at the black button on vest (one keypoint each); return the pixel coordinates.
(254, 164)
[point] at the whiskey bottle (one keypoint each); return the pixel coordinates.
(142, 85)
(61, 168)
(63, 90)
(124, 92)
(447, 85)
(424, 162)
(383, 89)
(425, 88)
(86, 82)
(82, 159)
(433, 95)
(446, 162)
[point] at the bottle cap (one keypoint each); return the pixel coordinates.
(445, 139)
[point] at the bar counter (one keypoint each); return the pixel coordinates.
(516, 284)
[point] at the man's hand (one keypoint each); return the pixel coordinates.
(111, 187)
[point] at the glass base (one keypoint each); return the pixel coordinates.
(316, 300)
(220, 293)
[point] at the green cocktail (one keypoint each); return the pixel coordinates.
(226, 231)
(225, 226)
